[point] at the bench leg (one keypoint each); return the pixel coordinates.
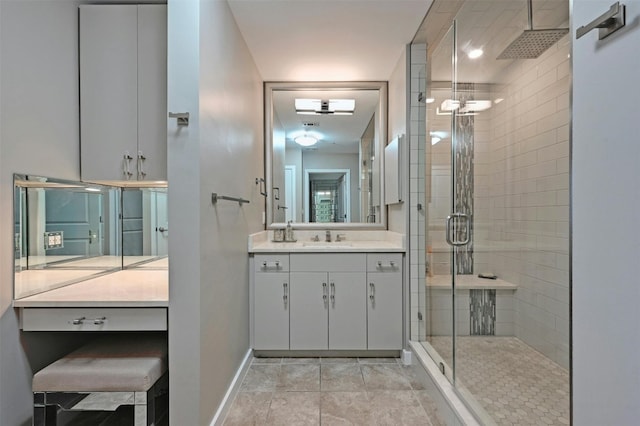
(44, 416)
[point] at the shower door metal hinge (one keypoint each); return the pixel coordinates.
(419, 316)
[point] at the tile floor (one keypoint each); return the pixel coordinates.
(514, 383)
(331, 391)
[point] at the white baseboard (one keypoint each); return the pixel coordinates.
(406, 357)
(234, 387)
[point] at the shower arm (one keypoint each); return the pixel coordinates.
(530, 13)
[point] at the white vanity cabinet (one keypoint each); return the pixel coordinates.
(271, 307)
(319, 301)
(123, 92)
(328, 310)
(384, 301)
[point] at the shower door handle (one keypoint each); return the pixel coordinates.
(455, 219)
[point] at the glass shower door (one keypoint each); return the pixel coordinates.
(440, 226)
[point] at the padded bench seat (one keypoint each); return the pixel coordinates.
(103, 375)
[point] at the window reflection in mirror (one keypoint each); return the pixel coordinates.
(66, 232)
(323, 149)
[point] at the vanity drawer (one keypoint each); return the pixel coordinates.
(271, 262)
(328, 262)
(94, 319)
(384, 262)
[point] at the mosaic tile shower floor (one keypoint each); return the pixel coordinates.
(513, 382)
(331, 391)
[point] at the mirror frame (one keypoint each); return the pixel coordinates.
(381, 130)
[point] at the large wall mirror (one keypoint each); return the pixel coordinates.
(66, 232)
(324, 159)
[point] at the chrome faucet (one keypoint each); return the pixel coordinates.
(327, 236)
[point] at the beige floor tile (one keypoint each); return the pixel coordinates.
(294, 409)
(249, 408)
(384, 376)
(266, 360)
(299, 377)
(394, 408)
(261, 378)
(341, 377)
(346, 408)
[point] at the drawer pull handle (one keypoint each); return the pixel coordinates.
(276, 264)
(392, 264)
(99, 321)
(78, 321)
(284, 295)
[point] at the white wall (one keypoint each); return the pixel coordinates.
(38, 135)
(211, 75)
(605, 205)
(397, 219)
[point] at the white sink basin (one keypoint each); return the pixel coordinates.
(326, 245)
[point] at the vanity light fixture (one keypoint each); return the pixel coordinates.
(306, 140)
(469, 107)
(475, 53)
(325, 106)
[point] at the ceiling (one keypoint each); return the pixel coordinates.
(337, 133)
(328, 40)
(487, 24)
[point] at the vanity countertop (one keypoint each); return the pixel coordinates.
(350, 241)
(127, 288)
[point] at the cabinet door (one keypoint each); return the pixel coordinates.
(384, 310)
(347, 310)
(271, 311)
(108, 91)
(152, 92)
(309, 296)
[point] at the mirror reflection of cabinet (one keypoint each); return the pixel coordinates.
(304, 141)
(65, 232)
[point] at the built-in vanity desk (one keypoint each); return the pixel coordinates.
(131, 299)
(333, 296)
(90, 257)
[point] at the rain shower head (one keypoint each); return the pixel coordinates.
(532, 43)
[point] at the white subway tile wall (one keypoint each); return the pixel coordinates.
(528, 220)
(417, 114)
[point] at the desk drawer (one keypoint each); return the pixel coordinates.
(94, 319)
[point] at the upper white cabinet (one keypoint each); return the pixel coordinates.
(123, 92)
